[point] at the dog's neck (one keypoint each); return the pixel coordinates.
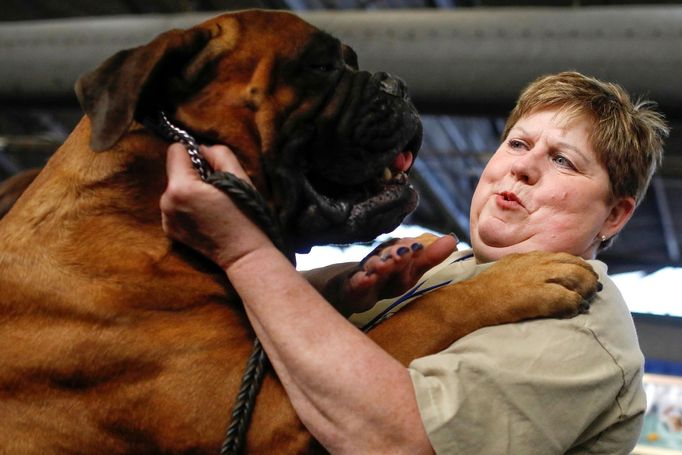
(96, 214)
(89, 192)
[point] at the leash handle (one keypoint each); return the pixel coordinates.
(164, 127)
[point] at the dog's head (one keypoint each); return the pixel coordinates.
(329, 146)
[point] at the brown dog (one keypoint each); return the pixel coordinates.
(114, 340)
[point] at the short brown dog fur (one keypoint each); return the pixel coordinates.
(115, 340)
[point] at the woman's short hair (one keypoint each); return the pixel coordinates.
(627, 136)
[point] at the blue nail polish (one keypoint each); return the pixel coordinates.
(416, 246)
(403, 250)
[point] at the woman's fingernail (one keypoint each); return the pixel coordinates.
(452, 234)
(416, 246)
(403, 250)
(385, 257)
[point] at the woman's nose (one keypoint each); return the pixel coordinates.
(527, 167)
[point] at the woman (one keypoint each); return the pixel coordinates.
(576, 159)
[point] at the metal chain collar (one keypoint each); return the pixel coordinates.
(175, 134)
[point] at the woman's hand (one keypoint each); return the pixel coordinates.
(201, 216)
(390, 270)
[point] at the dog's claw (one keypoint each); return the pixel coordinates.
(584, 306)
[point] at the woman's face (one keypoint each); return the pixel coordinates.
(544, 189)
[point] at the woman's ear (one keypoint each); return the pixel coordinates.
(621, 212)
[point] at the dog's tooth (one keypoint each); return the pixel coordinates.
(388, 175)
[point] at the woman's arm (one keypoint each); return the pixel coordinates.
(351, 395)
(348, 392)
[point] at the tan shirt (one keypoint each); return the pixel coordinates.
(548, 386)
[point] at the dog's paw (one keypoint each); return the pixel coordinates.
(541, 284)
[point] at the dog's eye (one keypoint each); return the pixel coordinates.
(323, 68)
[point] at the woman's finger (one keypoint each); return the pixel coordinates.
(222, 159)
(436, 252)
(178, 163)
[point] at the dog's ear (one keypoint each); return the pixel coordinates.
(110, 95)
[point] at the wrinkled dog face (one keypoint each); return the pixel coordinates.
(329, 146)
(337, 141)
(352, 154)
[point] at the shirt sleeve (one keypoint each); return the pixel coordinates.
(524, 388)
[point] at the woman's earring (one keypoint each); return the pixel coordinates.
(603, 238)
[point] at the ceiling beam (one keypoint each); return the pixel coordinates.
(459, 61)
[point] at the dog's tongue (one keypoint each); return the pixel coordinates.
(403, 161)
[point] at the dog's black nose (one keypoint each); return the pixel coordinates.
(391, 84)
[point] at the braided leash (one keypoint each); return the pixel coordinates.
(248, 199)
(235, 437)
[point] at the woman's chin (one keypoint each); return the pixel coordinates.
(491, 246)
(492, 235)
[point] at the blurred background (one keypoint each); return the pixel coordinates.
(464, 62)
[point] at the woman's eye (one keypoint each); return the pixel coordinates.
(563, 161)
(516, 144)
